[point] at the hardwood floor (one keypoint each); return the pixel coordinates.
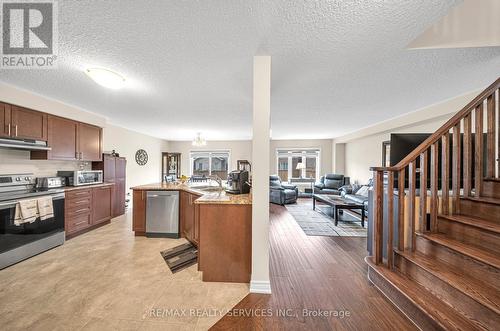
(315, 273)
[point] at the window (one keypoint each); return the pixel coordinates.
(298, 163)
(210, 163)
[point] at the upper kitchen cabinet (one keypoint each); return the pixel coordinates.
(28, 124)
(63, 135)
(71, 140)
(89, 142)
(5, 127)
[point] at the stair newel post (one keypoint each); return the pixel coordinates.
(491, 135)
(445, 180)
(390, 219)
(456, 169)
(378, 215)
(401, 209)
(423, 191)
(434, 186)
(467, 162)
(412, 205)
(478, 151)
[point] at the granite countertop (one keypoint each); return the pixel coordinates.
(206, 197)
(72, 188)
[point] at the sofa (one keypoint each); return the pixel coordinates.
(330, 184)
(357, 193)
(280, 193)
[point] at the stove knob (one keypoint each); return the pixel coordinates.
(27, 179)
(18, 179)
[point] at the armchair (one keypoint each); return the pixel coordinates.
(280, 193)
(330, 184)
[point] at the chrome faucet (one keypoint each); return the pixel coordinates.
(217, 179)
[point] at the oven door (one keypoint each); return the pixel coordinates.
(13, 236)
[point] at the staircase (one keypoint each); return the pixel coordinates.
(436, 243)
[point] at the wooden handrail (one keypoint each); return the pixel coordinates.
(426, 144)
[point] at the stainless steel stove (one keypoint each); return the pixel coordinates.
(19, 242)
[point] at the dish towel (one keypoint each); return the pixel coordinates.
(26, 212)
(45, 208)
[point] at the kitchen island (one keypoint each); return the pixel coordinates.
(218, 223)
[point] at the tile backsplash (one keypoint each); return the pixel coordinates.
(18, 161)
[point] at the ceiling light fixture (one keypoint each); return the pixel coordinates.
(199, 140)
(106, 78)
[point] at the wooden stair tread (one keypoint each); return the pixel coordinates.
(492, 201)
(468, 250)
(444, 315)
(474, 221)
(492, 179)
(457, 278)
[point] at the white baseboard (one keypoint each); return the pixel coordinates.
(259, 286)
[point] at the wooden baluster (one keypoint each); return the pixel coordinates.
(378, 214)
(478, 151)
(491, 135)
(434, 185)
(498, 142)
(423, 192)
(467, 155)
(456, 170)
(445, 188)
(412, 188)
(401, 209)
(390, 219)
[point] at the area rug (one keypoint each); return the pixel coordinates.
(318, 223)
(180, 257)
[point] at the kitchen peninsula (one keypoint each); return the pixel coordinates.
(219, 224)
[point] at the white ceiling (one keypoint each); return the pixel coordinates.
(337, 66)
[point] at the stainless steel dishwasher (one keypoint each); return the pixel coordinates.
(162, 214)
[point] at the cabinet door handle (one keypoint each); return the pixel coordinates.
(76, 155)
(15, 128)
(8, 128)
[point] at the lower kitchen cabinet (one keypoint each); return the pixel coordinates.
(189, 229)
(87, 207)
(139, 212)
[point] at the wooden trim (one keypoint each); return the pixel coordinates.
(456, 170)
(423, 191)
(467, 162)
(378, 227)
(390, 219)
(445, 176)
(412, 193)
(401, 209)
(434, 186)
(490, 137)
(478, 151)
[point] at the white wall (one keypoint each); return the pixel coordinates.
(126, 143)
(363, 153)
(242, 150)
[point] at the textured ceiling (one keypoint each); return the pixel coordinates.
(337, 66)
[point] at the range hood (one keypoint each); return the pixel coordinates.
(24, 144)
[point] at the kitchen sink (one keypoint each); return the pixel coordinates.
(207, 188)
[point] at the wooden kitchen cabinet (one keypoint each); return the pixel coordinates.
(89, 142)
(101, 204)
(189, 230)
(5, 126)
(28, 124)
(114, 171)
(196, 229)
(139, 212)
(62, 138)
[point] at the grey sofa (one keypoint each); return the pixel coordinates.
(330, 184)
(280, 193)
(357, 193)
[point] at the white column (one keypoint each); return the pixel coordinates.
(260, 174)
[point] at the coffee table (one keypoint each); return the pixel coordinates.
(338, 203)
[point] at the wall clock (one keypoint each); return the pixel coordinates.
(141, 157)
